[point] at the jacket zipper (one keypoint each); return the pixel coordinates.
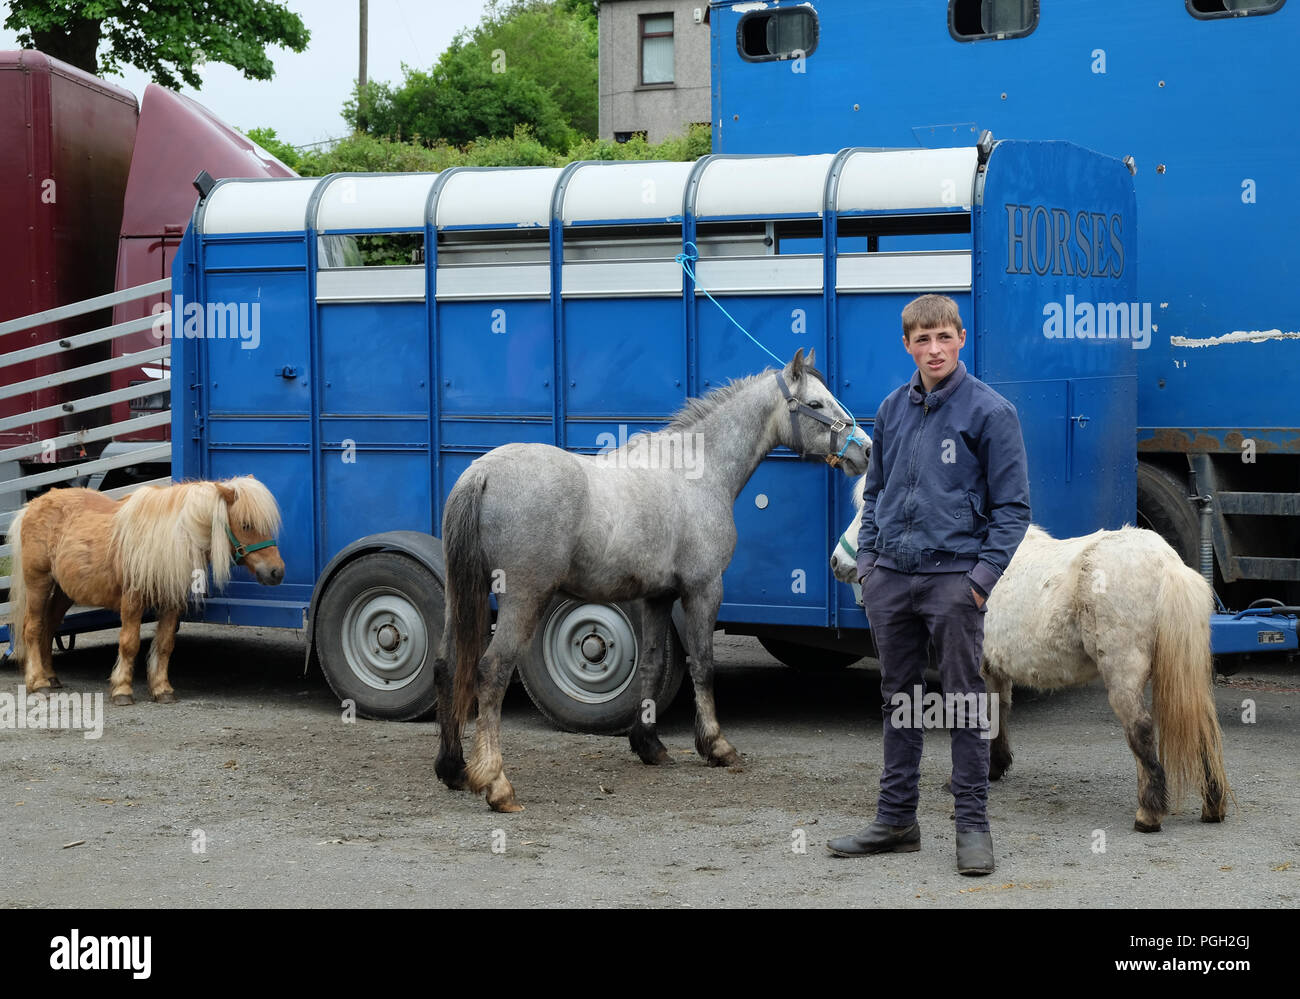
(911, 470)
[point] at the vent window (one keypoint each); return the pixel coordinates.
(763, 36)
(971, 20)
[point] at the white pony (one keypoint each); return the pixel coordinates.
(1116, 604)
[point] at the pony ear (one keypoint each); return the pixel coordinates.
(794, 370)
(227, 494)
(812, 357)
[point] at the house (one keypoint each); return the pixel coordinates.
(654, 67)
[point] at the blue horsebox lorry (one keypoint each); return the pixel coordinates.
(1200, 94)
(356, 341)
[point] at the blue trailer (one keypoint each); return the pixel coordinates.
(1198, 94)
(356, 341)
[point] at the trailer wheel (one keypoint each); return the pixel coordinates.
(582, 673)
(379, 626)
(1163, 507)
(808, 657)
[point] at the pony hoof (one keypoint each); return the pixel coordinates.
(728, 759)
(55, 683)
(456, 782)
(655, 756)
(1211, 817)
(1142, 827)
(122, 700)
(166, 697)
(507, 805)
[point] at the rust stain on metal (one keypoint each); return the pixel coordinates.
(1203, 440)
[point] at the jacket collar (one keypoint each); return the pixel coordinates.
(917, 394)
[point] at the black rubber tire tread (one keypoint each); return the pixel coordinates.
(416, 700)
(613, 717)
(1162, 506)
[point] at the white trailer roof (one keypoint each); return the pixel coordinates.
(258, 205)
(726, 186)
(902, 179)
(762, 185)
(495, 196)
(373, 201)
(641, 191)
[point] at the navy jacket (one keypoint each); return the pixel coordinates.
(948, 485)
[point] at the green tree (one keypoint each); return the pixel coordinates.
(168, 39)
(529, 62)
(273, 144)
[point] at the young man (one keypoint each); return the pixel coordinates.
(947, 504)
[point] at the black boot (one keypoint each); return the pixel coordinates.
(974, 853)
(877, 838)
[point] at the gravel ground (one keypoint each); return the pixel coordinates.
(253, 791)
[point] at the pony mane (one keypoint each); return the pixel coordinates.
(696, 410)
(163, 536)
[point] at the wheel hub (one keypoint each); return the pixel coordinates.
(590, 651)
(594, 648)
(384, 638)
(388, 638)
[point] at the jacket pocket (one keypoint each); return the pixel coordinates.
(979, 522)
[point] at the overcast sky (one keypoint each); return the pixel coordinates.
(303, 100)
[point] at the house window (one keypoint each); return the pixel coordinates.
(1207, 9)
(777, 34)
(969, 20)
(629, 136)
(656, 49)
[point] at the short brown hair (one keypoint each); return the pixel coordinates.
(930, 312)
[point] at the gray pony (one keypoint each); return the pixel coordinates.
(614, 527)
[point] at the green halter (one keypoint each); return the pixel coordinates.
(238, 551)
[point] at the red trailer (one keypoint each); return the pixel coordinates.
(65, 151)
(175, 140)
(94, 196)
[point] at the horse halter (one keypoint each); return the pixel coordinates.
(238, 552)
(852, 432)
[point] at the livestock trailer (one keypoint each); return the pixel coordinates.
(1199, 94)
(356, 341)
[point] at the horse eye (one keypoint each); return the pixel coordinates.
(814, 405)
(248, 527)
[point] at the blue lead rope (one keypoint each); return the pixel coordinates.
(686, 260)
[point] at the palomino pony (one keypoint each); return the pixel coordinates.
(1122, 605)
(612, 527)
(149, 550)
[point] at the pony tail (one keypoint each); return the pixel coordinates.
(17, 591)
(1182, 690)
(468, 618)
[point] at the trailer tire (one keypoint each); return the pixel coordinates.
(579, 693)
(808, 657)
(1163, 507)
(379, 625)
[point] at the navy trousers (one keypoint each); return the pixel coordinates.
(907, 612)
